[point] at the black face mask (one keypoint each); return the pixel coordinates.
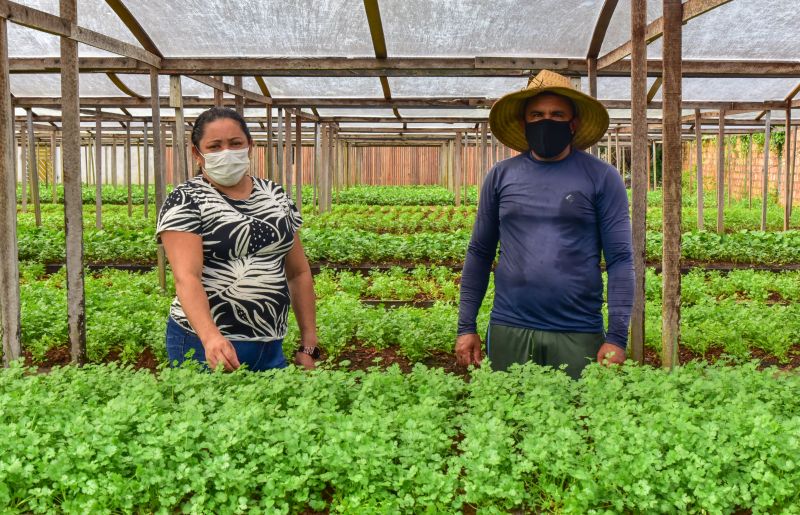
(548, 138)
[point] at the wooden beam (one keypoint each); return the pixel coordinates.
(238, 101)
(691, 9)
(671, 169)
(721, 174)
(654, 89)
(232, 90)
(122, 86)
(262, 86)
(73, 203)
(178, 128)
(600, 28)
(134, 26)
(402, 67)
(45, 22)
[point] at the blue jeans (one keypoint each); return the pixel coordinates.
(257, 355)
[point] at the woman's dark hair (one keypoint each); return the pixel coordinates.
(216, 113)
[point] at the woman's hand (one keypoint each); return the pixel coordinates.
(302, 359)
(220, 351)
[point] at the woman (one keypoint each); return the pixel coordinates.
(232, 241)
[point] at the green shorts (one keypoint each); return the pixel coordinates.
(507, 345)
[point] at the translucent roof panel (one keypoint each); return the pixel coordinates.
(95, 15)
(445, 113)
(731, 90)
(741, 30)
(613, 88)
(376, 113)
(319, 87)
(256, 27)
(469, 28)
(486, 87)
(49, 85)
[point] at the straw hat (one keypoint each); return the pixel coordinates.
(506, 113)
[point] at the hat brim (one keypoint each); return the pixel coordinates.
(506, 114)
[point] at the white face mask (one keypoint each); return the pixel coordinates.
(228, 166)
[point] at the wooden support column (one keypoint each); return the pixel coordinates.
(218, 98)
(113, 169)
(787, 149)
(298, 196)
(98, 171)
(268, 155)
(146, 157)
(591, 65)
(638, 171)
(617, 160)
(794, 166)
(33, 169)
(23, 168)
(329, 169)
(289, 156)
(698, 137)
(458, 170)
(655, 167)
(158, 171)
(128, 168)
(671, 180)
(239, 100)
(323, 167)
(765, 175)
(54, 162)
(317, 165)
(73, 207)
(484, 162)
(721, 173)
(279, 149)
(494, 151)
(10, 307)
(180, 171)
(750, 171)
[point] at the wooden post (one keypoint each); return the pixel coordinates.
(671, 180)
(218, 98)
(638, 172)
(180, 172)
(458, 170)
(484, 162)
(329, 169)
(98, 170)
(10, 307)
(158, 171)
(729, 172)
(23, 161)
(146, 157)
(289, 157)
(750, 171)
(787, 149)
(73, 209)
(239, 100)
(791, 180)
(698, 137)
(591, 64)
(494, 150)
(279, 149)
(721, 173)
(655, 167)
(33, 169)
(298, 196)
(765, 175)
(268, 157)
(617, 159)
(317, 164)
(113, 169)
(54, 161)
(323, 167)
(128, 168)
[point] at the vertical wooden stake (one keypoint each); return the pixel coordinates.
(750, 171)
(128, 168)
(113, 169)
(298, 196)
(270, 167)
(158, 171)
(146, 158)
(698, 137)
(671, 180)
(592, 71)
(23, 161)
(289, 157)
(239, 100)
(180, 172)
(787, 149)
(457, 171)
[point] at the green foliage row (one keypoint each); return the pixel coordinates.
(702, 439)
(402, 196)
(111, 194)
(420, 283)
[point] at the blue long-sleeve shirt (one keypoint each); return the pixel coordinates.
(552, 220)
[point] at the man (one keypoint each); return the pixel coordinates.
(553, 209)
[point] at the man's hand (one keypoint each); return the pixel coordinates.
(612, 353)
(220, 351)
(468, 349)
